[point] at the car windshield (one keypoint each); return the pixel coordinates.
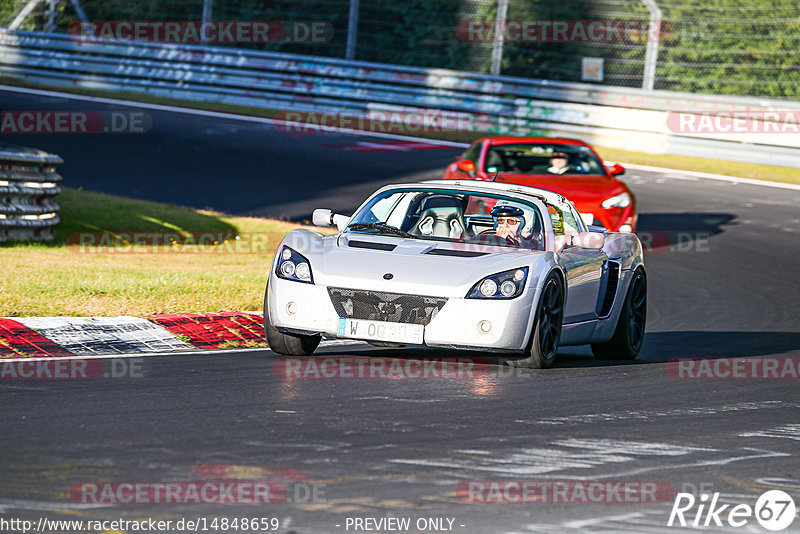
(451, 216)
(543, 158)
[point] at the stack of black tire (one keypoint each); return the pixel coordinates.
(28, 187)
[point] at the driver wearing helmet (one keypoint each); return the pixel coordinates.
(508, 224)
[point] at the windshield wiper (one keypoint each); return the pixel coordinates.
(382, 227)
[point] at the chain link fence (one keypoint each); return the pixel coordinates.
(730, 47)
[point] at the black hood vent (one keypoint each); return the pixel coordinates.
(456, 253)
(370, 245)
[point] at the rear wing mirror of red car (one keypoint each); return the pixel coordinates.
(466, 166)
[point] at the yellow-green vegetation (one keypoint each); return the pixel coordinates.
(715, 166)
(118, 256)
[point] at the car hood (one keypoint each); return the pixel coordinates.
(416, 266)
(577, 188)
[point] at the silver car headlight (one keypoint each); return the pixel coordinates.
(623, 200)
(503, 286)
(293, 266)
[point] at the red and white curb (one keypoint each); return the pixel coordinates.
(90, 336)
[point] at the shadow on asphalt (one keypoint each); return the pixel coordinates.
(661, 230)
(659, 347)
(662, 346)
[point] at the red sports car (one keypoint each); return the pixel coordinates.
(566, 166)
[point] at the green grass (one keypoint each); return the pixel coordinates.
(74, 275)
(83, 211)
(716, 166)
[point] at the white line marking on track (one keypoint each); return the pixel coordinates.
(221, 115)
(673, 176)
(631, 447)
(726, 461)
(710, 176)
(791, 431)
(780, 483)
(6, 385)
(651, 414)
(264, 120)
(560, 456)
(189, 351)
(20, 504)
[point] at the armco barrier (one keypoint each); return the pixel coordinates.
(28, 186)
(610, 116)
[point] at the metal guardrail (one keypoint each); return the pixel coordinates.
(28, 187)
(610, 116)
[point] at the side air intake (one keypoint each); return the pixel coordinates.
(608, 288)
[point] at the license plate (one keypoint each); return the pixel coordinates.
(381, 331)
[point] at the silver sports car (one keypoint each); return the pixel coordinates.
(463, 265)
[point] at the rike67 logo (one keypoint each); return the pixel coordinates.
(774, 510)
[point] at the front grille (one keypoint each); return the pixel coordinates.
(381, 306)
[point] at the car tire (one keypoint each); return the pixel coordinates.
(543, 345)
(288, 344)
(628, 336)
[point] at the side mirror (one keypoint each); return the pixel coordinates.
(323, 217)
(466, 166)
(616, 169)
(341, 221)
(590, 240)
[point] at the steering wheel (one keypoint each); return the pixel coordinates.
(488, 237)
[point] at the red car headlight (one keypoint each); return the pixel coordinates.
(623, 200)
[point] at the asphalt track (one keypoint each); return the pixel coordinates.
(723, 283)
